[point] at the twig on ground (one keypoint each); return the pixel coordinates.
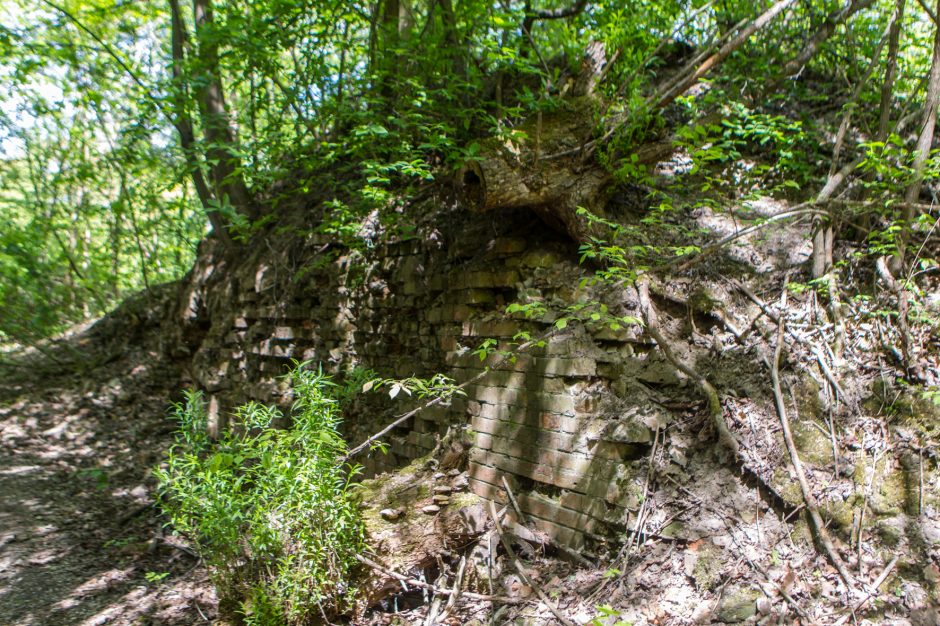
(869, 593)
(425, 585)
(458, 583)
(199, 610)
(812, 508)
(521, 571)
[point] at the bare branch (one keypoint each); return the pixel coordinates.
(823, 33)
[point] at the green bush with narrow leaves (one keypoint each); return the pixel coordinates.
(269, 507)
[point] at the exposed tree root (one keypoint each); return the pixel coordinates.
(725, 437)
(816, 522)
(564, 619)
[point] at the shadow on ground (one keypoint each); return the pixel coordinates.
(80, 542)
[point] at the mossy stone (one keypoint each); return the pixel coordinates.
(814, 446)
(890, 494)
(785, 486)
(891, 531)
(707, 569)
(738, 604)
(841, 513)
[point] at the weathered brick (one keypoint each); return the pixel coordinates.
(580, 366)
(495, 328)
(502, 246)
(497, 395)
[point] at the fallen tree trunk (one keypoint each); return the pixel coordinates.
(541, 164)
(511, 175)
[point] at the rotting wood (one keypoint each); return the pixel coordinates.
(510, 173)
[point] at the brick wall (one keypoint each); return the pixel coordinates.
(564, 424)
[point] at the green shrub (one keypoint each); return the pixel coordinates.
(268, 508)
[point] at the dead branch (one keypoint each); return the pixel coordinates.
(816, 522)
(521, 571)
(714, 403)
(823, 33)
(694, 75)
(806, 208)
(870, 593)
(425, 585)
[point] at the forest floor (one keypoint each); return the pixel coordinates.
(80, 540)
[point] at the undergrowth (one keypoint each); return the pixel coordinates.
(268, 508)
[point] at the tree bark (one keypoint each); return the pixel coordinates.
(184, 127)
(891, 70)
(219, 135)
(925, 140)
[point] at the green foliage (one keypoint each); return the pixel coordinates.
(268, 507)
(155, 577)
(608, 616)
(91, 207)
(719, 149)
(437, 386)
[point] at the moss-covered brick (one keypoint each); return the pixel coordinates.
(502, 246)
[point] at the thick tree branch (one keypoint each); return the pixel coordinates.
(694, 75)
(823, 33)
(891, 70)
(219, 135)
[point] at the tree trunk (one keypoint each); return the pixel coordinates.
(184, 127)
(388, 57)
(891, 70)
(925, 140)
(220, 137)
